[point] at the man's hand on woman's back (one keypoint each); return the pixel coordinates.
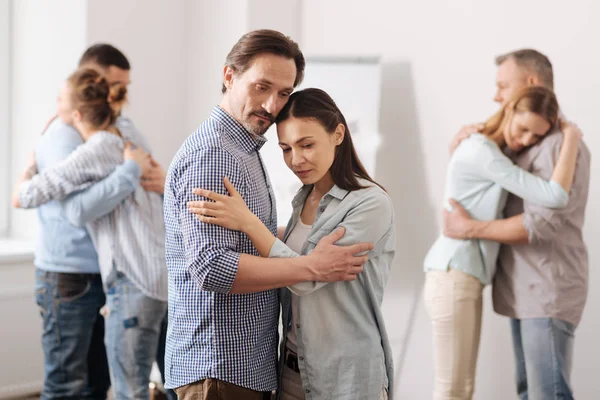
(464, 133)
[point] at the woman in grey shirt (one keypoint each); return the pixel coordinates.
(335, 344)
(480, 176)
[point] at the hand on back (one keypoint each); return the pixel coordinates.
(464, 133)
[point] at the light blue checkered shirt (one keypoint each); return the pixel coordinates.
(213, 334)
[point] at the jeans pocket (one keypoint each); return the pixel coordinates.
(565, 327)
(40, 299)
(71, 287)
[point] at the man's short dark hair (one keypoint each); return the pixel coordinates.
(264, 41)
(104, 55)
(533, 61)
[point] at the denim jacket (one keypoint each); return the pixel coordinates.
(343, 347)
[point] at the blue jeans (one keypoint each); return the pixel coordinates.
(543, 354)
(133, 322)
(75, 364)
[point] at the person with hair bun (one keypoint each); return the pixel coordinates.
(129, 239)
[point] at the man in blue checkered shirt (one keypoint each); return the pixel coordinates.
(223, 302)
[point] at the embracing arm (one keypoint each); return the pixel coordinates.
(459, 225)
(538, 223)
(544, 224)
(104, 196)
(212, 251)
(72, 174)
(26, 175)
(368, 222)
(488, 162)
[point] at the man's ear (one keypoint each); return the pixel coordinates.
(533, 80)
(228, 75)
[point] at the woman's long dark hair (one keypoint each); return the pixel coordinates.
(317, 105)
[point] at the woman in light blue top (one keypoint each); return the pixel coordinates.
(479, 177)
(335, 344)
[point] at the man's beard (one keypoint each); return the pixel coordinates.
(260, 128)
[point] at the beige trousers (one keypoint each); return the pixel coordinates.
(453, 300)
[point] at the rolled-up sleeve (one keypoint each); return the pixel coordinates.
(280, 250)
(543, 224)
(210, 249)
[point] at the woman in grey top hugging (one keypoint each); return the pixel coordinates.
(479, 177)
(335, 344)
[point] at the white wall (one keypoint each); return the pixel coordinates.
(47, 40)
(212, 28)
(151, 34)
(439, 74)
(283, 16)
(4, 112)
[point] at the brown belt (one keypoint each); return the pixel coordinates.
(291, 360)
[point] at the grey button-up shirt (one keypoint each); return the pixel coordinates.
(343, 347)
(549, 276)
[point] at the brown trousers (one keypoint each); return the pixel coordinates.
(214, 389)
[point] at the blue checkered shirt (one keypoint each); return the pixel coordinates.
(214, 334)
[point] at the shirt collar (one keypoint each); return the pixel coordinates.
(304, 191)
(236, 131)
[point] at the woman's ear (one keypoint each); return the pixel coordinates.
(339, 133)
(76, 116)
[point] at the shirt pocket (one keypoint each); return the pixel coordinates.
(314, 238)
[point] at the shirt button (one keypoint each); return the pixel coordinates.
(301, 358)
(298, 326)
(322, 209)
(307, 390)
